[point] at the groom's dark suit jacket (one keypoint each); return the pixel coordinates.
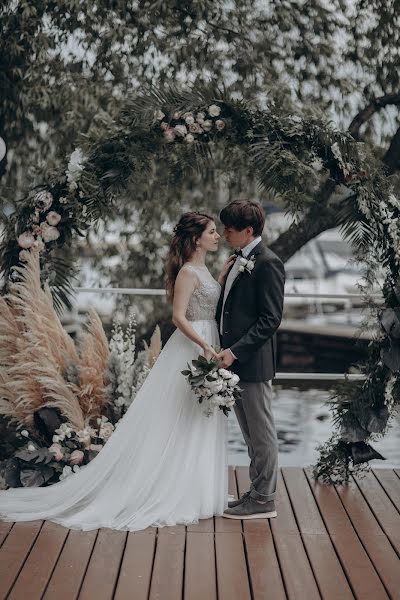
(252, 314)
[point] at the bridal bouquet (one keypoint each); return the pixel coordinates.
(212, 386)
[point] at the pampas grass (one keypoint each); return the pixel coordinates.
(36, 352)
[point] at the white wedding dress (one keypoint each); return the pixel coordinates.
(166, 463)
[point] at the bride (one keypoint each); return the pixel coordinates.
(165, 463)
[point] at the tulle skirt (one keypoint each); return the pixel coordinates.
(166, 463)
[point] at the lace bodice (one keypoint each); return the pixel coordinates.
(203, 302)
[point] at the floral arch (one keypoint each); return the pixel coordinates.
(284, 152)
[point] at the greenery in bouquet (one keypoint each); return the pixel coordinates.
(212, 385)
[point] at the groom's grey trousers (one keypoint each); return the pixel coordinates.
(254, 413)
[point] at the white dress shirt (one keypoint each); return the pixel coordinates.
(233, 273)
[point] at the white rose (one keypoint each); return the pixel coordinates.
(225, 373)
(241, 269)
(200, 117)
(106, 430)
(208, 384)
(220, 125)
(159, 115)
(214, 110)
(234, 380)
(250, 265)
(189, 138)
(31, 447)
(56, 438)
(243, 261)
(217, 387)
(207, 125)
(26, 240)
(25, 433)
(189, 120)
(216, 400)
(177, 115)
(53, 218)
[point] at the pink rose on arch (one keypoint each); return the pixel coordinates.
(169, 134)
(195, 128)
(38, 244)
(26, 240)
(76, 457)
(49, 233)
(180, 130)
(53, 218)
(219, 124)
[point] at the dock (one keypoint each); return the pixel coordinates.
(330, 542)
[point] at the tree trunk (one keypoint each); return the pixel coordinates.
(323, 215)
(392, 156)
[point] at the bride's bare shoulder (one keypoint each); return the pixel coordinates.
(187, 273)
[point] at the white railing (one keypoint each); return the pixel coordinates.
(161, 292)
(319, 376)
(278, 376)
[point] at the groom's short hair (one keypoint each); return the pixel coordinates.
(240, 214)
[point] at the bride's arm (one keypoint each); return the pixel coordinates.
(185, 284)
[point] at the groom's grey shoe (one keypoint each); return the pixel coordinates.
(234, 503)
(251, 509)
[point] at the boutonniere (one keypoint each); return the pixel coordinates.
(247, 264)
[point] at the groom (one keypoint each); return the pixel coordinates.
(249, 312)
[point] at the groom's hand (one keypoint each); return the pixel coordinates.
(227, 358)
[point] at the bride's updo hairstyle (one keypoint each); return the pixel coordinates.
(186, 233)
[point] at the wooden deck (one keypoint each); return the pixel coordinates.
(331, 543)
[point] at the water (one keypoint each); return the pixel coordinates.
(302, 422)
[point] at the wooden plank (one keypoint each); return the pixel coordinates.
(67, 577)
(360, 572)
(223, 525)
(14, 551)
(203, 526)
(38, 566)
(137, 565)
(200, 576)
(295, 567)
(167, 579)
(263, 565)
(5, 529)
(390, 483)
(374, 540)
(103, 568)
(232, 576)
(326, 566)
(382, 507)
